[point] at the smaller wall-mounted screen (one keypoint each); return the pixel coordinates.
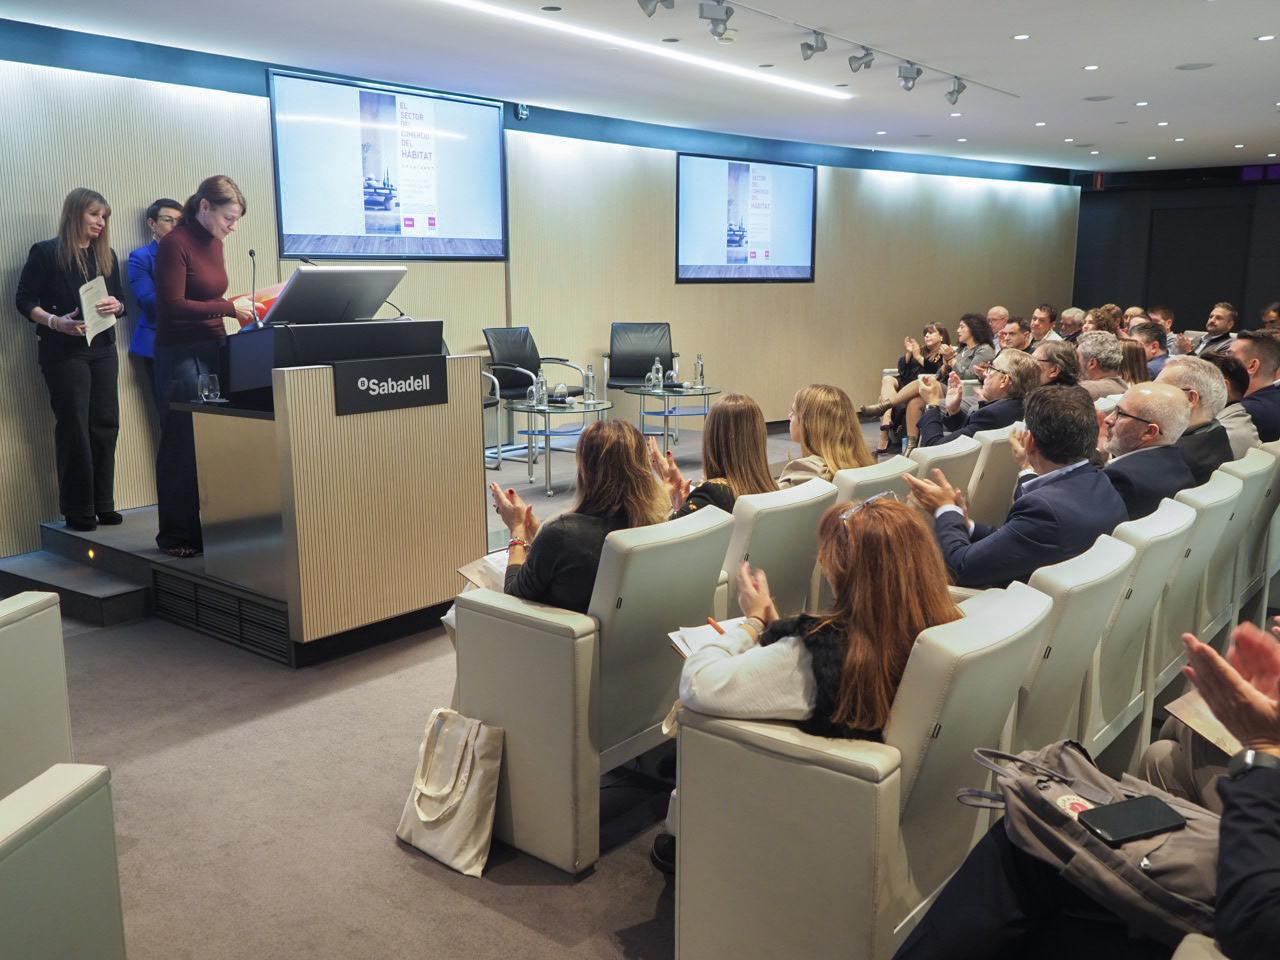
(365, 171)
(739, 220)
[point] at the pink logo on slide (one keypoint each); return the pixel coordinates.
(752, 254)
(408, 221)
(431, 221)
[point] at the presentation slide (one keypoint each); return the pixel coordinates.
(365, 172)
(739, 220)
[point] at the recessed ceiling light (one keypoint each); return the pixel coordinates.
(1099, 99)
(1092, 66)
(957, 114)
(765, 66)
(1239, 146)
(1121, 123)
(1270, 154)
(1265, 37)
(881, 133)
(606, 38)
(1179, 139)
(841, 84)
(1152, 157)
(1021, 36)
(1162, 123)
(1142, 103)
(670, 39)
(1193, 66)
(1039, 123)
(552, 9)
(1069, 140)
(962, 139)
(1093, 153)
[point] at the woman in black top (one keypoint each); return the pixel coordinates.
(81, 376)
(555, 563)
(896, 409)
(735, 459)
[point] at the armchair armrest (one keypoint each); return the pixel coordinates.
(561, 361)
(721, 603)
(1195, 946)
(492, 380)
(511, 366)
(962, 593)
(532, 670)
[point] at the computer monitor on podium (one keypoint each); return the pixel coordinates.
(316, 294)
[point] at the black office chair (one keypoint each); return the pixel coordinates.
(514, 360)
(488, 402)
(632, 347)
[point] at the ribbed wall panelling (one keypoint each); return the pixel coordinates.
(593, 241)
(386, 506)
(133, 141)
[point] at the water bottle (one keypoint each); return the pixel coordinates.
(589, 385)
(540, 388)
(700, 380)
(656, 373)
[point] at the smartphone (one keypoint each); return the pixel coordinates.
(1118, 823)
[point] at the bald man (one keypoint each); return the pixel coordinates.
(1142, 433)
(998, 317)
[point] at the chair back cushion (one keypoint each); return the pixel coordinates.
(35, 719)
(1253, 548)
(1085, 591)
(859, 483)
(991, 488)
(1256, 471)
(651, 580)
(632, 347)
(513, 345)
(1115, 680)
(956, 693)
(778, 533)
(956, 459)
(1214, 503)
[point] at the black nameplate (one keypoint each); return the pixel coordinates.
(389, 383)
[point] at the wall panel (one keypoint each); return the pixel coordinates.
(593, 241)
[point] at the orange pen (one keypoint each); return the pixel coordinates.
(718, 629)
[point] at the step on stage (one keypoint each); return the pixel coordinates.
(116, 574)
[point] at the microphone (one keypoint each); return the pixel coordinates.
(253, 285)
(308, 262)
(395, 308)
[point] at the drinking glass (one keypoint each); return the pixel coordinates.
(561, 393)
(207, 387)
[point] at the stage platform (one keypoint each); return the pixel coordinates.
(116, 574)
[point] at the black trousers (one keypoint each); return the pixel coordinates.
(86, 412)
(1004, 904)
(177, 372)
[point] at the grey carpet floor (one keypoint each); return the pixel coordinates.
(256, 808)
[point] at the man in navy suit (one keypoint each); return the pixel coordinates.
(1260, 354)
(1056, 515)
(1008, 378)
(1142, 434)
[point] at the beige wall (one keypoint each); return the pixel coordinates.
(592, 241)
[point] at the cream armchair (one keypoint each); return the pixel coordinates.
(995, 476)
(800, 846)
(581, 694)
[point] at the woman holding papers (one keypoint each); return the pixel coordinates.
(191, 304)
(70, 289)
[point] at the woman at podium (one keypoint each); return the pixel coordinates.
(191, 286)
(80, 371)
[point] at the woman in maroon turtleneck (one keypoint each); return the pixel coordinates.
(191, 286)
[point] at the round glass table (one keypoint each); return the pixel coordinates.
(546, 411)
(670, 396)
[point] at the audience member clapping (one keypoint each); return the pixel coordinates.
(1234, 417)
(1101, 359)
(1006, 381)
(823, 423)
(1204, 443)
(555, 563)
(735, 459)
(898, 406)
(1140, 436)
(1056, 514)
(974, 335)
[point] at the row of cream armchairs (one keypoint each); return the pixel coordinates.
(59, 883)
(846, 842)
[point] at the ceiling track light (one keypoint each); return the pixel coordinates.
(817, 45)
(718, 14)
(957, 87)
(865, 59)
(651, 6)
(908, 74)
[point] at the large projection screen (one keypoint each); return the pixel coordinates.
(365, 171)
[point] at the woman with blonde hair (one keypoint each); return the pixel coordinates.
(555, 563)
(735, 459)
(825, 426)
(1133, 368)
(81, 376)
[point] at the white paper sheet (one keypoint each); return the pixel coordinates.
(687, 640)
(90, 294)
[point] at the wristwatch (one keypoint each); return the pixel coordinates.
(1250, 759)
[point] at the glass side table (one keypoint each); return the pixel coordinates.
(546, 411)
(670, 396)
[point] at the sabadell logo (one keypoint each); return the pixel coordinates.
(381, 388)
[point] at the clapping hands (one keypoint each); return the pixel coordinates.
(754, 598)
(1242, 690)
(516, 515)
(669, 475)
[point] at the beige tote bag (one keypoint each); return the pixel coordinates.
(449, 813)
